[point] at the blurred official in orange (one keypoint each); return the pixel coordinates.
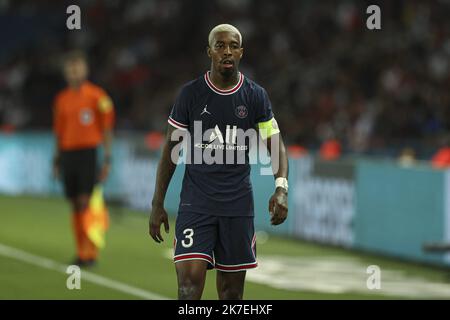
(83, 120)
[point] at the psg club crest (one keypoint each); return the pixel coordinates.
(241, 112)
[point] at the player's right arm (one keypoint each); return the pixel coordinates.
(166, 168)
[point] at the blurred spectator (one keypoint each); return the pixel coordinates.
(154, 140)
(296, 151)
(330, 150)
(407, 157)
(441, 159)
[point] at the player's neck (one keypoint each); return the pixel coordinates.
(223, 82)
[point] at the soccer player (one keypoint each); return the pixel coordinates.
(214, 226)
(83, 120)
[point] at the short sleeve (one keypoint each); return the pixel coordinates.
(263, 106)
(179, 116)
(265, 120)
(105, 107)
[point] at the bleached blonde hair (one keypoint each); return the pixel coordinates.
(223, 28)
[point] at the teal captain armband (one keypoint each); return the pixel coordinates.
(268, 128)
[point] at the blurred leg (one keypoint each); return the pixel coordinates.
(85, 247)
(77, 229)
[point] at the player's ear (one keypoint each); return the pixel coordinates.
(242, 52)
(208, 51)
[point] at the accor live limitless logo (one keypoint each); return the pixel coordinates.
(229, 143)
(213, 146)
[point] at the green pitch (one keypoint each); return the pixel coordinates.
(132, 262)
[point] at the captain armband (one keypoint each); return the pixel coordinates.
(268, 128)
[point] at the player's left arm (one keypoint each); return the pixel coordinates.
(269, 132)
(278, 203)
(106, 109)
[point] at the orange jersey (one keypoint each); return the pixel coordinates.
(80, 116)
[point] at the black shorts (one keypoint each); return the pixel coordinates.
(226, 243)
(79, 171)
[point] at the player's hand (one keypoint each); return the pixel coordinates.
(158, 216)
(104, 172)
(278, 207)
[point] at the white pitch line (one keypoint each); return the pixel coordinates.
(85, 275)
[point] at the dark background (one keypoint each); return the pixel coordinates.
(327, 75)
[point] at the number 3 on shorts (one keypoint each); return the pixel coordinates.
(188, 235)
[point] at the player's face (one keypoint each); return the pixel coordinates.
(225, 53)
(75, 71)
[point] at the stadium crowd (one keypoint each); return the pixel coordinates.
(328, 76)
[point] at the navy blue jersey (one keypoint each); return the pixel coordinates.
(216, 120)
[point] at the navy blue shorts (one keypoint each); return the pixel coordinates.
(226, 243)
